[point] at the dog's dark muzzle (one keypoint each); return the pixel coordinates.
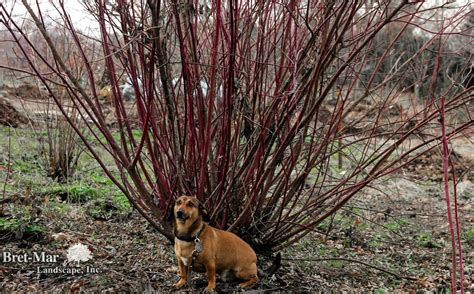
(181, 215)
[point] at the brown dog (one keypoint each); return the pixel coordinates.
(210, 250)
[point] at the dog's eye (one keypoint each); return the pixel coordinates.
(178, 202)
(190, 204)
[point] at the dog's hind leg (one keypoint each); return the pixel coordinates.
(227, 276)
(248, 282)
(248, 275)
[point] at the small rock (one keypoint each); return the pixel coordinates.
(171, 269)
(60, 236)
(112, 251)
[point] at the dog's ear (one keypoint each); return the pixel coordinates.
(170, 213)
(204, 214)
(170, 216)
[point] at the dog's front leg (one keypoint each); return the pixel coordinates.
(183, 274)
(211, 276)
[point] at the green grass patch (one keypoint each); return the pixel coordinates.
(26, 166)
(376, 242)
(110, 207)
(13, 224)
(101, 179)
(338, 264)
(324, 225)
(398, 224)
(74, 193)
(89, 187)
(35, 228)
(426, 240)
(57, 208)
(9, 224)
(468, 235)
(122, 201)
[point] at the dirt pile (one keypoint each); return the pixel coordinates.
(9, 115)
(430, 165)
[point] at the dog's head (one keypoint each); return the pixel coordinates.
(189, 208)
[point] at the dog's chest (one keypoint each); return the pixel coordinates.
(184, 251)
(185, 260)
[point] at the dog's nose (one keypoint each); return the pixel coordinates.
(180, 214)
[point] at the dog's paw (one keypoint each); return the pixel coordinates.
(248, 283)
(210, 290)
(180, 283)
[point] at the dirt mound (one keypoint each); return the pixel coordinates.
(9, 115)
(29, 92)
(430, 166)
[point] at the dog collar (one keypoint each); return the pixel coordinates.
(191, 239)
(196, 251)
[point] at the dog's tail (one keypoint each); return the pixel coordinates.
(272, 269)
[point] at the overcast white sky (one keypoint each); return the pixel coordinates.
(82, 20)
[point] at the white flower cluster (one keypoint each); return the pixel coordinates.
(78, 252)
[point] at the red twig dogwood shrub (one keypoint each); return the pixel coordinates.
(273, 114)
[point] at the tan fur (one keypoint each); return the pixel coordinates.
(223, 252)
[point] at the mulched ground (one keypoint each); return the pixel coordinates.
(376, 243)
